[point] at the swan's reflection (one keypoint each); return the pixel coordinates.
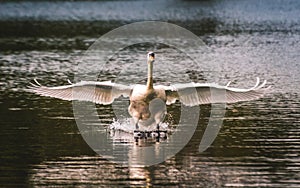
(96, 171)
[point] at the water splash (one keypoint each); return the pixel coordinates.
(127, 125)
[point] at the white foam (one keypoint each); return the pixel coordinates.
(127, 125)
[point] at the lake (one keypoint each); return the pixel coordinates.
(258, 144)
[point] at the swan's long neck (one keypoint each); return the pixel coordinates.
(150, 73)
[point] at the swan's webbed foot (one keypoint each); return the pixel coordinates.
(136, 132)
(155, 134)
(138, 135)
(158, 134)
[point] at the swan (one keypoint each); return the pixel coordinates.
(148, 102)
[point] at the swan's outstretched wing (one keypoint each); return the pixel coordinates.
(194, 93)
(97, 92)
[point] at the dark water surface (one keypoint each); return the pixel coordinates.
(258, 145)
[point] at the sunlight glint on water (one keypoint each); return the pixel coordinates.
(258, 145)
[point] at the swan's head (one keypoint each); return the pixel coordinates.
(151, 57)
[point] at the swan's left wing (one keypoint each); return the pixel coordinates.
(192, 94)
(97, 92)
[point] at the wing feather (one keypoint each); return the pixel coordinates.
(195, 93)
(97, 92)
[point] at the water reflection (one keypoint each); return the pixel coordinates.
(258, 145)
(246, 153)
(253, 148)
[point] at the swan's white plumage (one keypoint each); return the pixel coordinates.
(97, 92)
(147, 102)
(192, 94)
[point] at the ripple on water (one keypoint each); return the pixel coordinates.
(258, 144)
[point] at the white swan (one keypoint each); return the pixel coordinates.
(148, 102)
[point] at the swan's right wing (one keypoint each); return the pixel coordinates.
(192, 94)
(97, 92)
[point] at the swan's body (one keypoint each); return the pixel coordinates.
(147, 105)
(148, 102)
